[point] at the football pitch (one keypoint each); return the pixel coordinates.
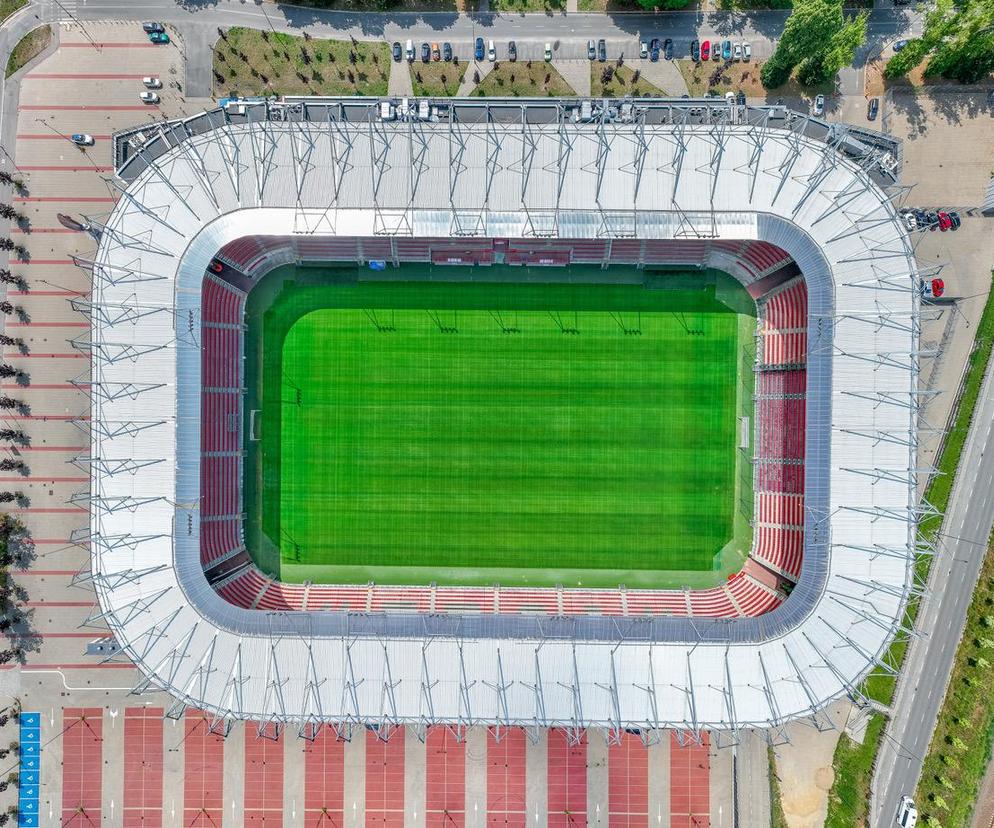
(522, 434)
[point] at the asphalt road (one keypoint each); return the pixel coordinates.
(953, 577)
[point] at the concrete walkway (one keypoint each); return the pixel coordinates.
(400, 83)
(468, 84)
(576, 73)
(662, 73)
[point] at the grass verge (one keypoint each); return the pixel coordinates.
(550, 6)
(881, 687)
(777, 817)
(436, 80)
(254, 62)
(719, 77)
(849, 797)
(531, 78)
(31, 45)
(961, 744)
(8, 7)
(612, 81)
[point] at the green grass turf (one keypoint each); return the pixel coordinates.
(417, 432)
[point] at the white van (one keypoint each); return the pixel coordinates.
(907, 813)
(409, 51)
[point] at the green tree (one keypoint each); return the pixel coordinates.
(818, 40)
(663, 4)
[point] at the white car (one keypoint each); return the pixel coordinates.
(152, 83)
(910, 221)
(548, 51)
(491, 52)
(746, 51)
(737, 52)
(819, 107)
(81, 139)
(149, 97)
(907, 813)
(643, 50)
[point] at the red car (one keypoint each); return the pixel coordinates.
(706, 50)
(945, 223)
(215, 266)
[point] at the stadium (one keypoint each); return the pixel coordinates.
(519, 413)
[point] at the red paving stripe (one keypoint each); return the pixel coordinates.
(203, 773)
(263, 777)
(47, 262)
(69, 76)
(45, 479)
(324, 779)
(47, 325)
(628, 783)
(82, 766)
(43, 511)
(59, 635)
(445, 779)
(50, 417)
(42, 230)
(60, 603)
(84, 108)
(68, 199)
(57, 386)
(46, 356)
(506, 779)
(142, 795)
(50, 136)
(136, 45)
(46, 571)
(690, 779)
(61, 168)
(385, 780)
(66, 541)
(43, 448)
(567, 781)
(61, 666)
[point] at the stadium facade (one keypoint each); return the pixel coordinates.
(669, 173)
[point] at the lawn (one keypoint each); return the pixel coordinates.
(849, 797)
(961, 744)
(417, 432)
(29, 47)
(719, 77)
(8, 7)
(612, 81)
(550, 6)
(436, 80)
(257, 62)
(530, 78)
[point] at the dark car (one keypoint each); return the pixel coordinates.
(478, 50)
(668, 48)
(726, 50)
(446, 51)
(932, 220)
(900, 45)
(955, 219)
(425, 53)
(871, 109)
(695, 51)
(741, 99)
(398, 53)
(601, 50)
(512, 50)
(152, 26)
(654, 50)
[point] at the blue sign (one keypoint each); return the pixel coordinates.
(28, 820)
(30, 720)
(377, 264)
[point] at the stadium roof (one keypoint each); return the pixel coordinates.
(657, 171)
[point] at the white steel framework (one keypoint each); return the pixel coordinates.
(658, 171)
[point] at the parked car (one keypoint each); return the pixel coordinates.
(478, 49)
(215, 266)
(746, 50)
(446, 51)
(398, 53)
(591, 50)
(654, 50)
(548, 50)
(436, 52)
(512, 50)
(668, 48)
(910, 220)
(741, 98)
(716, 51)
(706, 50)
(737, 51)
(491, 52)
(907, 813)
(695, 51)
(409, 51)
(726, 50)
(81, 139)
(900, 44)
(945, 223)
(955, 219)
(159, 37)
(152, 26)
(643, 50)
(819, 107)
(152, 83)
(149, 97)
(872, 108)
(601, 50)
(425, 53)
(931, 289)
(932, 221)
